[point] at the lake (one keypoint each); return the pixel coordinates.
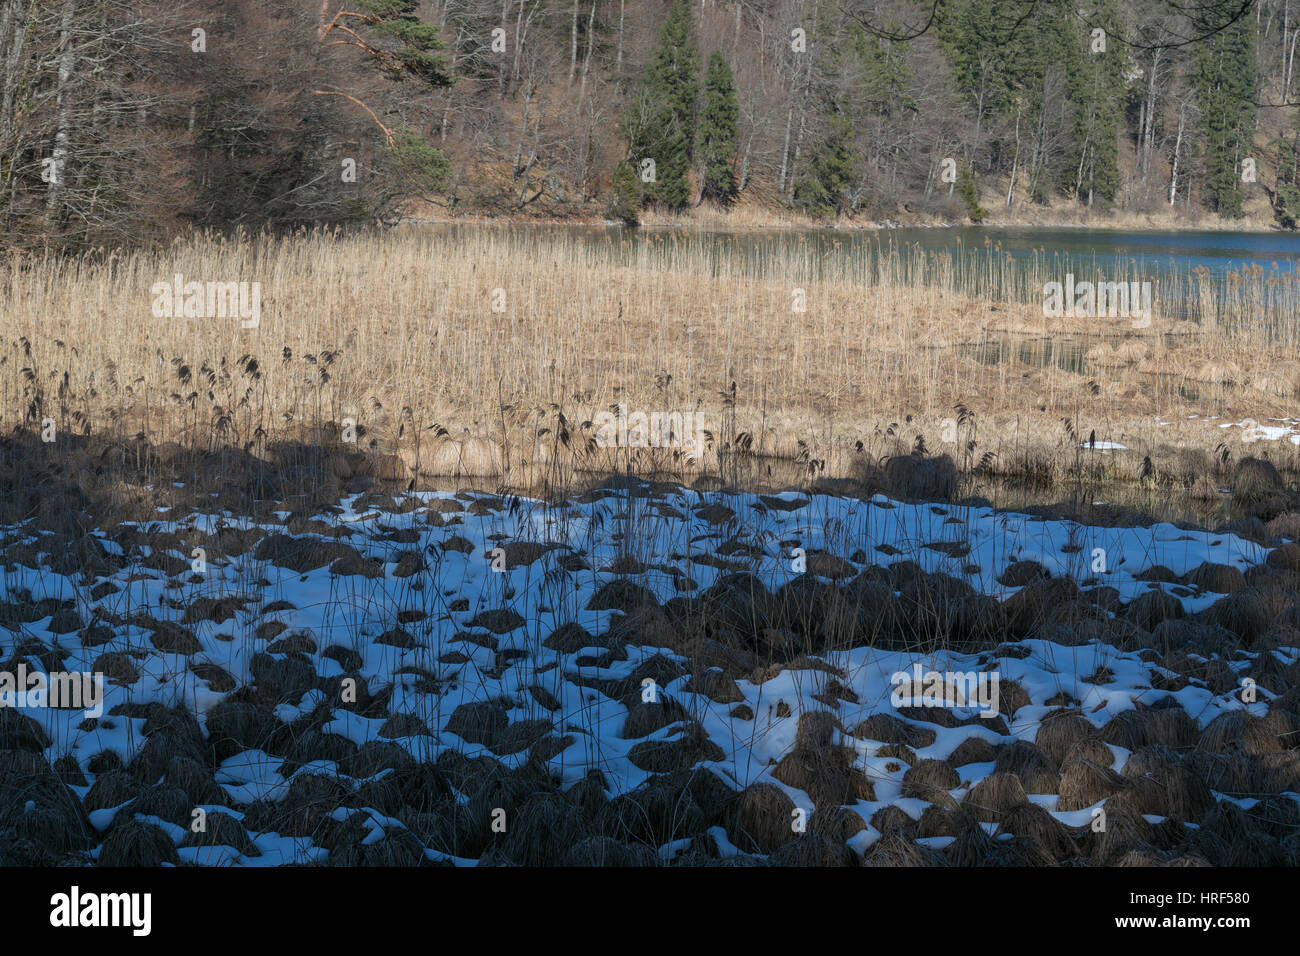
(1081, 250)
(1010, 263)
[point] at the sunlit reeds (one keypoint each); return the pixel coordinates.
(519, 337)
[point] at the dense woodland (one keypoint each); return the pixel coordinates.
(129, 120)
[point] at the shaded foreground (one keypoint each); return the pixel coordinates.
(343, 672)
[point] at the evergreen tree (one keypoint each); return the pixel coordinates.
(1287, 206)
(881, 79)
(403, 47)
(626, 196)
(675, 69)
(660, 124)
(1005, 57)
(823, 188)
(970, 196)
(982, 65)
(717, 132)
(418, 52)
(1095, 82)
(1286, 201)
(1286, 160)
(1225, 83)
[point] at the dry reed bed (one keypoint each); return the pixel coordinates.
(397, 330)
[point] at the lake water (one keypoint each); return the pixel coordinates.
(1108, 251)
(1006, 262)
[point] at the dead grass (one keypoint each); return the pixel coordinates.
(1061, 731)
(997, 793)
(395, 335)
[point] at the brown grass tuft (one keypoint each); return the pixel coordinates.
(1060, 731)
(1038, 830)
(895, 850)
(1240, 731)
(1084, 783)
(993, 796)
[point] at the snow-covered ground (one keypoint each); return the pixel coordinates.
(451, 604)
(1272, 429)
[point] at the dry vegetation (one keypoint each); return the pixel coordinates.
(397, 331)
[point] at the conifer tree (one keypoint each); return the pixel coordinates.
(717, 132)
(823, 188)
(403, 47)
(1095, 80)
(1225, 80)
(625, 197)
(969, 195)
(660, 124)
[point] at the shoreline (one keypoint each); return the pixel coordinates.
(750, 219)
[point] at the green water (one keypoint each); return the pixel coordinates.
(1004, 262)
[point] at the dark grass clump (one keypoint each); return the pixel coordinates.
(138, 844)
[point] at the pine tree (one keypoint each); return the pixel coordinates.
(1095, 81)
(418, 53)
(671, 154)
(1006, 55)
(880, 77)
(1286, 201)
(625, 195)
(403, 47)
(717, 132)
(660, 123)
(968, 194)
(1225, 81)
(823, 188)
(675, 69)
(1287, 206)
(969, 30)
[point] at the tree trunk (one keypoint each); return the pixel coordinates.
(1286, 26)
(67, 59)
(1015, 162)
(586, 60)
(1147, 131)
(785, 147)
(519, 43)
(13, 19)
(1178, 145)
(618, 62)
(803, 111)
(1290, 64)
(573, 45)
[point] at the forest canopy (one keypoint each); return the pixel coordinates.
(132, 120)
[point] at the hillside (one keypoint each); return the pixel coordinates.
(127, 122)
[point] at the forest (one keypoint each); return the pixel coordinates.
(124, 121)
